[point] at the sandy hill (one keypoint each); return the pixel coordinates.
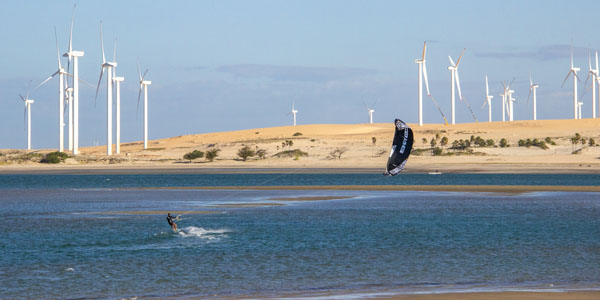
(319, 141)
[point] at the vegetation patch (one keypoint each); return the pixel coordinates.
(54, 158)
(535, 143)
(291, 153)
(297, 134)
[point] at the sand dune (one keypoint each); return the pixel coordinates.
(319, 140)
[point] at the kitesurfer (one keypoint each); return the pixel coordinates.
(171, 221)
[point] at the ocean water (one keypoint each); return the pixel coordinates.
(285, 179)
(74, 241)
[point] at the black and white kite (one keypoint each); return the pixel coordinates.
(401, 147)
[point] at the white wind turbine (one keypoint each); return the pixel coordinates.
(117, 81)
(575, 79)
(511, 109)
(74, 55)
(144, 85)
(488, 99)
(109, 80)
(455, 78)
(594, 74)
(61, 96)
(579, 105)
(533, 90)
(27, 114)
(69, 102)
(293, 112)
(370, 110)
(422, 74)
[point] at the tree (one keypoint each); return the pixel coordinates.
(374, 139)
(261, 153)
(246, 152)
(212, 154)
(444, 142)
(503, 143)
(592, 142)
(433, 142)
(193, 155)
(54, 157)
(289, 143)
(424, 140)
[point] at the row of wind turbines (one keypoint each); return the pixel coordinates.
(507, 94)
(68, 96)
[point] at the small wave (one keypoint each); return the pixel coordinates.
(209, 234)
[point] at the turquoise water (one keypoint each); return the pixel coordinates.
(68, 243)
(292, 179)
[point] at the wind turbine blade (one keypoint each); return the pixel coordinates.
(596, 62)
(530, 88)
(511, 82)
(47, 79)
(139, 72)
(144, 76)
(65, 106)
(28, 87)
(102, 44)
(458, 85)
(530, 80)
(586, 79)
(576, 76)
(373, 106)
(138, 102)
(71, 38)
(365, 104)
(115, 51)
(451, 61)
(25, 118)
(590, 59)
(424, 49)
(487, 88)
(57, 50)
(563, 84)
(460, 57)
(22, 97)
(98, 87)
(425, 76)
(571, 55)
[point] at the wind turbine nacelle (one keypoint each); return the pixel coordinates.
(74, 53)
(29, 101)
(146, 82)
(119, 79)
(575, 69)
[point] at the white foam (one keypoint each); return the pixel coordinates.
(209, 234)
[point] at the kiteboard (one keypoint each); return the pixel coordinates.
(401, 147)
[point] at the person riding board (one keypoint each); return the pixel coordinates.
(171, 220)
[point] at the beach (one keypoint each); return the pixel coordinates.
(365, 150)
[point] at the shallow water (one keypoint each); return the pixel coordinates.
(67, 243)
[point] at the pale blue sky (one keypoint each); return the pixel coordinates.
(228, 65)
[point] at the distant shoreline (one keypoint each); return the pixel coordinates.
(420, 168)
(424, 188)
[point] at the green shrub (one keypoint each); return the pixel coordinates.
(504, 143)
(297, 134)
(54, 157)
(261, 153)
(437, 151)
(291, 153)
(246, 152)
(193, 155)
(212, 154)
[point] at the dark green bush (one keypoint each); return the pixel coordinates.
(54, 157)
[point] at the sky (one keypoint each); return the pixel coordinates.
(231, 65)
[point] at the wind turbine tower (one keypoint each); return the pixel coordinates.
(488, 99)
(61, 96)
(144, 85)
(109, 81)
(422, 73)
(75, 55)
(118, 81)
(594, 74)
(511, 100)
(575, 79)
(27, 115)
(293, 113)
(533, 90)
(69, 100)
(579, 105)
(454, 78)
